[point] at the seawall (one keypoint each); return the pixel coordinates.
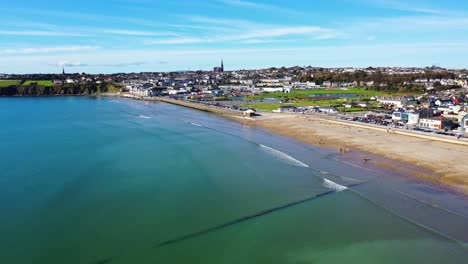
(198, 106)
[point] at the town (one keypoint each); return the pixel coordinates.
(427, 100)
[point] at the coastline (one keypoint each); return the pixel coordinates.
(426, 159)
(442, 160)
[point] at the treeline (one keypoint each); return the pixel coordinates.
(83, 88)
(381, 81)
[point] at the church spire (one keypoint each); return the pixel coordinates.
(222, 65)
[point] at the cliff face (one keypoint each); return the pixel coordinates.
(65, 89)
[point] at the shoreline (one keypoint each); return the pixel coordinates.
(437, 159)
(423, 158)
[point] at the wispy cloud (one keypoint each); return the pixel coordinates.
(134, 32)
(254, 36)
(41, 33)
(415, 23)
(70, 64)
(228, 22)
(125, 64)
(283, 31)
(259, 6)
(180, 41)
(247, 4)
(48, 50)
(408, 6)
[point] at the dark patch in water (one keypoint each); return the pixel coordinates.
(104, 261)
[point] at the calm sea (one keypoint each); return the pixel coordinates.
(101, 180)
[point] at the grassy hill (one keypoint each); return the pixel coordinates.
(8, 83)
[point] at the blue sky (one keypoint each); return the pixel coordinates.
(154, 35)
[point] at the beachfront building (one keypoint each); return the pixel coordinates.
(249, 113)
(286, 109)
(464, 124)
(437, 123)
(329, 110)
(431, 123)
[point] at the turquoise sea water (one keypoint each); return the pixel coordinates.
(98, 180)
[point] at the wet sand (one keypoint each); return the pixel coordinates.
(441, 163)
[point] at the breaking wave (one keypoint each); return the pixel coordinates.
(195, 124)
(333, 185)
(283, 156)
(144, 117)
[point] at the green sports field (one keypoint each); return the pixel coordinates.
(40, 82)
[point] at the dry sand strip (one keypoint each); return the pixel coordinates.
(443, 157)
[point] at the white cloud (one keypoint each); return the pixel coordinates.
(47, 50)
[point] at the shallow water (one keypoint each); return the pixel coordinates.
(96, 180)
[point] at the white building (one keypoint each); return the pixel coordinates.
(395, 102)
(176, 92)
(306, 85)
(276, 89)
(432, 123)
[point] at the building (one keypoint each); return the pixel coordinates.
(437, 123)
(286, 109)
(306, 85)
(464, 124)
(219, 69)
(392, 102)
(431, 123)
(275, 89)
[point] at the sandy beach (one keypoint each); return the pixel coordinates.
(427, 159)
(445, 160)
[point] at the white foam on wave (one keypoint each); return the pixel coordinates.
(283, 156)
(195, 124)
(144, 117)
(333, 185)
